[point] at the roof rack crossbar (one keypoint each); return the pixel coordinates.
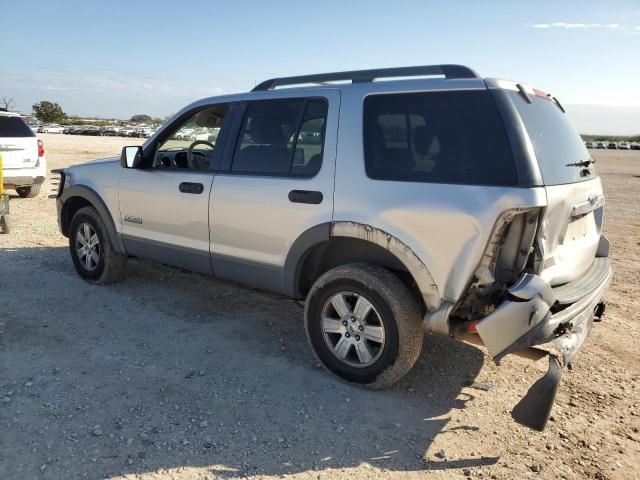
(364, 76)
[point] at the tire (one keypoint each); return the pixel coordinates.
(393, 309)
(29, 192)
(110, 265)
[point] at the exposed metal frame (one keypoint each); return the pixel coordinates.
(365, 76)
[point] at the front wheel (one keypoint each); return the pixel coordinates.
(363, 324)
(91, 250)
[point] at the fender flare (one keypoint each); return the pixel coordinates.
(324, 232)
(298, 254)
(96, 201)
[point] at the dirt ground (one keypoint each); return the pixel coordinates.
(169, 374)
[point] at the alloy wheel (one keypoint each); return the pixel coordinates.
(353, 329)
(87, 246)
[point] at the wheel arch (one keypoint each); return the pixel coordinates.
(76, 197)
(328, 245)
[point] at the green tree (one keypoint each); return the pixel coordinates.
(141, 118)
(49, 112)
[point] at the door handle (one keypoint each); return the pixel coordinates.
(305, 196)
(189, 187)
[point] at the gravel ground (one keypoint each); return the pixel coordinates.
(169, 374)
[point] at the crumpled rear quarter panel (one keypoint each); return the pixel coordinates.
(446, 226)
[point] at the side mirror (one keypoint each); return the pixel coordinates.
(131, 157)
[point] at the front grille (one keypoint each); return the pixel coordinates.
(57, 183)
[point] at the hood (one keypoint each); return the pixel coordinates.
(100, 174)
(102, 160)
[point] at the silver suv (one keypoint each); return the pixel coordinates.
(454, 205)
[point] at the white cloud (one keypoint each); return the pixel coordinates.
(611, 26)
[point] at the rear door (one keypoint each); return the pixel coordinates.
(18, 143)
(276, 183)
(572, 222)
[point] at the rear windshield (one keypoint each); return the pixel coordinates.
(437, 137)
(12, 127)
(556, 142)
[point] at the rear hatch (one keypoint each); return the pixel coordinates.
(18, 143)
(572, 221)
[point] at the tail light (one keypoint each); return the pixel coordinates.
(541, 94)
(40, 148)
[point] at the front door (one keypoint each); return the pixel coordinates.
(164, 205)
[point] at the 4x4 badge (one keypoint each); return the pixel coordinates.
(130, 219)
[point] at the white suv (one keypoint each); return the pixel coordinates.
(24, 165)
(460, 205)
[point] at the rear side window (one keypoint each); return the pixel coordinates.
(438, 137)
(557, 145)
(13, 127)
(281, 137)
(307, 156)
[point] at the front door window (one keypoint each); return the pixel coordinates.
(192, 145)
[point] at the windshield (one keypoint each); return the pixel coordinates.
(561, 154)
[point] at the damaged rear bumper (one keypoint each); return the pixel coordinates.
(534, 314)
(531, 315)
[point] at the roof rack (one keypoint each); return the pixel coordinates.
(364, 76)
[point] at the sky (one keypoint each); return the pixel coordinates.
(118, 58)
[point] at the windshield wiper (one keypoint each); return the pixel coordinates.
(583, 163)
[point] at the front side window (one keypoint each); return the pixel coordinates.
(193, 144)
(281, 137)
(439, 137)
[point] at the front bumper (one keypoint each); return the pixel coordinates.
(59, 206)
(534, 314)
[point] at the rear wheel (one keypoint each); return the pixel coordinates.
(363, 324)
(29, 192)
(91, 250)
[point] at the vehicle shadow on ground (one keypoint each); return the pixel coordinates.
(168, 370)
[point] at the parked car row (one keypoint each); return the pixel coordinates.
(49, 128)
(111, 131)
(144, 131)
(611, 145)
